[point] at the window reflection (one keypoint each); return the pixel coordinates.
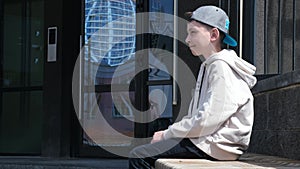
(108, 54)
(98, 127)
(160, 26)
(160, 99)
(110, 31)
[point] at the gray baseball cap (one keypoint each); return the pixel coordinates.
(214, 17)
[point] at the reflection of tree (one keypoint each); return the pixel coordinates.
(162, 26)
(124, 108)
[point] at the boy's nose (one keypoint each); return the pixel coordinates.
(187, 40)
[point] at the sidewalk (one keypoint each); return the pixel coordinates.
(20, 162)
(247, 161)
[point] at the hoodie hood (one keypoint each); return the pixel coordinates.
(244, 69)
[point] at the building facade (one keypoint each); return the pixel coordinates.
(88, 78)
(276, 51)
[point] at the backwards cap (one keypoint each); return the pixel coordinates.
(217, 18)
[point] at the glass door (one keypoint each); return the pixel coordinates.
(116, 64)
(21, 79)
(107, 66)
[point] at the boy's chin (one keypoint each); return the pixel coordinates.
(194, 53)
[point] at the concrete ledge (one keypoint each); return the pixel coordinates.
(277, 82)
(247, 161)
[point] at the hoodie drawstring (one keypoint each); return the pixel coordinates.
(201, 86)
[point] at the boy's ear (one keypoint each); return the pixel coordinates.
(214, 35)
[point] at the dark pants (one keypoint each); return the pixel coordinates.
(139, 156)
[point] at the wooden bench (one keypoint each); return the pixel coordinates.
(246, 161)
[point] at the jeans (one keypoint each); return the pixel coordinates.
(141, 156)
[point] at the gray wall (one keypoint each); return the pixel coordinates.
(276, 128)
(277, 37)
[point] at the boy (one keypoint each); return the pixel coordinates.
(220, 117)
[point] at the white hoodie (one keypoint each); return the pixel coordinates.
(220, 119)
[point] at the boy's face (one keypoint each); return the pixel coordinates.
(198, 38)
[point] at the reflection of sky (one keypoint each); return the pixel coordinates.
(166, 6)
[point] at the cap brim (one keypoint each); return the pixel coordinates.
(229, 40)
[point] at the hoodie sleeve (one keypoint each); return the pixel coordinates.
(219, 105)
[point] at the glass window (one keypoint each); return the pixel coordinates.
(109, 55)
(160, 98)
(21, 120)
(162, 28)
(105, 126)
(111, 16)
(22, 69)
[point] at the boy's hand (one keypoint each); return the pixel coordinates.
(158, 136)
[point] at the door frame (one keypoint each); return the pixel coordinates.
(61, 127)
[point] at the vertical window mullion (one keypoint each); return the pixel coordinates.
(266, 38)
(1, 57)
(23, 55)
(279, 70)
(294, 35)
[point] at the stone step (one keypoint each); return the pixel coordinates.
(246, 161)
